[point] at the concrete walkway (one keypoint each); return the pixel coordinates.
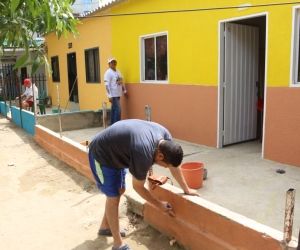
(238, 179)
(241, 181)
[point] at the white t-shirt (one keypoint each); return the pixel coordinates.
(113, 89)
(28, 92)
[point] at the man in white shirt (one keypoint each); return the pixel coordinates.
(114, 86)
(28, 102)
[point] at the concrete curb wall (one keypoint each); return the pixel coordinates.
(2, 108)
(200, 224)
(70, 120)
(73, 120)
(68, 151)
(28, 119)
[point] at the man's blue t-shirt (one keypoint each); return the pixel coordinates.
(129, 144)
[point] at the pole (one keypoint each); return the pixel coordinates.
(289, 215)
(148, 118)
(58, 109)
(4, 98)
(148, 112)
(298, 247)
(104, 115)
(20, 102)
(34, 102)
(70, 93)
(9, 79)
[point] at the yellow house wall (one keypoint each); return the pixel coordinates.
(193, 38)
(94, 32)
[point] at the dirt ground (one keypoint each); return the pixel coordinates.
(46, 204)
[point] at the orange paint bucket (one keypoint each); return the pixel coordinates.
(193, 174)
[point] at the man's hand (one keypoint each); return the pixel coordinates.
(192, 192)
(166, 208)
(126, 95)
(110, 100)
(139, 187)
(163, 206)
(177, 174)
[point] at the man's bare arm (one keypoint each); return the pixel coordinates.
(139, 187)
(177, 174)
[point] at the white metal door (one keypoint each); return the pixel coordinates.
(241, 75)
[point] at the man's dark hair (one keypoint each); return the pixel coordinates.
(172, 152)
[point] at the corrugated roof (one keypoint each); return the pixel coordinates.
(103, 5)
(38, 40)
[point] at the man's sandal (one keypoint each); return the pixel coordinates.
(107, 232)
(125, 247)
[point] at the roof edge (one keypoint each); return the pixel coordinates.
(103, 7)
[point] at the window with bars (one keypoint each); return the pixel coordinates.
(92, 65)
(55, 69)
(155, 58)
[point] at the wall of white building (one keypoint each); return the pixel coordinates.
(83, 6)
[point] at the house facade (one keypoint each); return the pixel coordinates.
(213, 73)
(10, 77)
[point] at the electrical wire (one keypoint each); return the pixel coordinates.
(186, 10)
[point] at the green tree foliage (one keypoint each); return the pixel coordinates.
(21, 19)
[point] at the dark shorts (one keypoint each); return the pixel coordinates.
(109, 180)
(30, 103)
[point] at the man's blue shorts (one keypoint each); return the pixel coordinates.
(109, 180)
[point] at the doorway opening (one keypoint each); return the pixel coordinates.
(72, 82)
(241, 79)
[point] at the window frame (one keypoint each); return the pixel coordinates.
(55, 79)
(87, 68)
(295, 57)
(142, 57)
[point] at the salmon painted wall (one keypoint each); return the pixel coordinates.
(94, 32)
(193, 120)
(282, 130)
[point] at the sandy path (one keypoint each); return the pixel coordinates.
(45, 204)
